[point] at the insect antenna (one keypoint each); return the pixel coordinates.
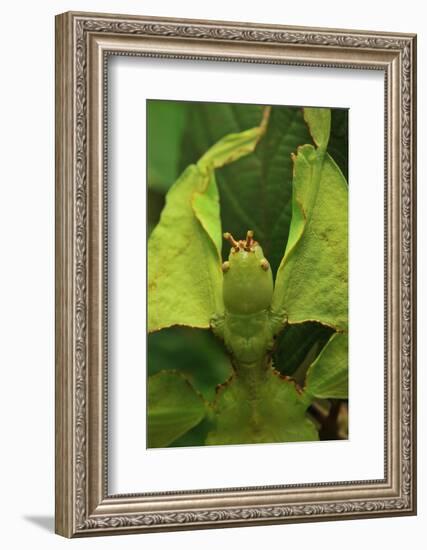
(249, 240)
(229, 237)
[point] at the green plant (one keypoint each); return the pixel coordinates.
(265, 326)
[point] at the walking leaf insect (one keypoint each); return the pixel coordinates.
(247, 294)
(189, 285)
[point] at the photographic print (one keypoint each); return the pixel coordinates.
(247, 209)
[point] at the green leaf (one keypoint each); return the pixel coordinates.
(165, 124)
(272, 412)
(319, 124)
(312, 281)
(174, 407)
(327, 377)
(256, 190)
(155, 204)
(184, 249)
(234, 146)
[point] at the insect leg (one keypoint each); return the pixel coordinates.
(217, 325)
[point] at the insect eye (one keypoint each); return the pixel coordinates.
(264, 264)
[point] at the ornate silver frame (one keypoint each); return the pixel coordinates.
(83, 42)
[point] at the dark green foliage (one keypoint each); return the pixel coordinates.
(297, 345)
(338, 142)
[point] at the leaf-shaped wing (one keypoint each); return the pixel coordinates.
(184, 249)
(174, 407)
(276, 414)
(327, 377)
(312, 280)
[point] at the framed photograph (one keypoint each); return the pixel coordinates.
(235, 274)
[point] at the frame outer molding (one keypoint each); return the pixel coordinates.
(64, 279)
(83, 506)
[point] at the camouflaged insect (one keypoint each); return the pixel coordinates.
(246, 326)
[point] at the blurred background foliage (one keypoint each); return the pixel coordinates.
(255, 193)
